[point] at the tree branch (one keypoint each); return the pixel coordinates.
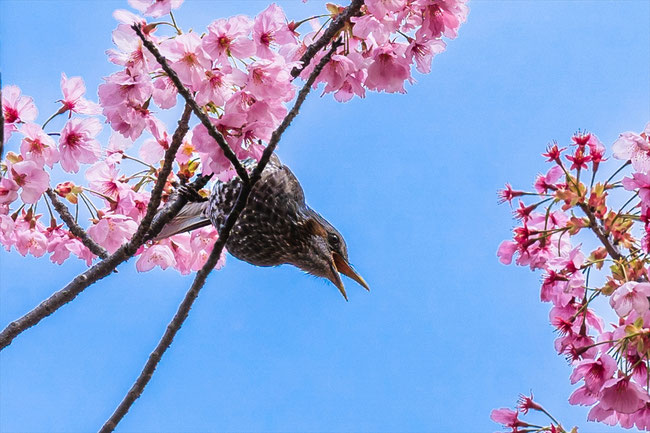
(189, 100)
(184, 308)
(125, 252)
(599, 232)
(354, 9)
(75, 228)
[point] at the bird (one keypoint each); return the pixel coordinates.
(276, 226)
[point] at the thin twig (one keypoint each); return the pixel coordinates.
(189, 99)
(351, 11)
(75, 228)
(600, 233)
(125, 252)
(184, 308)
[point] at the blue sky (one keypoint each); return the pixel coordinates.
(446, 334)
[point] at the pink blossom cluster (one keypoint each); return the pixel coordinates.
(239, 69)
(510, 418)
(240, 72)
(611, 363)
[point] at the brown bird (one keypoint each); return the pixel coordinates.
(275, 227)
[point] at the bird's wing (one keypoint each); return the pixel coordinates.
(192, 216)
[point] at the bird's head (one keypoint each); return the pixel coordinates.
(325, 253)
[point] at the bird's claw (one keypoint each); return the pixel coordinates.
(191, 194)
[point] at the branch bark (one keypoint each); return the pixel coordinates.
(75, 228)
(184, 308)
(600, 233)
(189, 100)
(125, 252)
(354, 9)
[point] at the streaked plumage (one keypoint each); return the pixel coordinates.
(275, 227)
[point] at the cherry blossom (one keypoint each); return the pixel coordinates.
(112, 230)
(16, 109)
(634, 147)
(73, 90)
(270, 27)
(37, 146)
(77, 143)
(631, 296)
(229, 37)
(32, 180)
(611, 362)
(155, 8)
(156, 255)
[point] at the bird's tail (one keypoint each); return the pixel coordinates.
(192, 216)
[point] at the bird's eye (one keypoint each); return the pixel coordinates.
(334, 240)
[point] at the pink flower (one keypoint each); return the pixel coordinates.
(61, 244)
(73, 91)
(379, 8)
(642, 418)
(422, 50)
(164, 93)
(32, 178)
(7, 237)
(8, 190)
(202, 241)
(545, 182)
(640, 181)
(370, 28)
(526, 403)
(344, 75)
(77, 143)
(186, 151)
(506, 251)
(631, 296)
(112, 230)
(389, 69)
(212, 157)
(124, 97)
(271, 26)
(155, 255)
(507, 417)
(271, 79)
(443, 17)
(155, 8)
(31, 241)
(623, 396)
(229, 38)
(594, 372)
(117, 144)
(126, 17)
(131, 53)
(132, 204)
(37, 146)
(600, 414)
(103, 178)
(584, 396)
(188, 58)
(218, 85)
(153, 149)
(634, 147)
(16, 109)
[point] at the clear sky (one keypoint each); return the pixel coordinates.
(447, 332)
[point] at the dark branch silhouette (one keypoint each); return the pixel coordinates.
(183, 310)
(600, 232)
(331, 32)
(187, 95)
(75, 228)
(125, 252)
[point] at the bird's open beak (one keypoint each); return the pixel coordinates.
(339, 264)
